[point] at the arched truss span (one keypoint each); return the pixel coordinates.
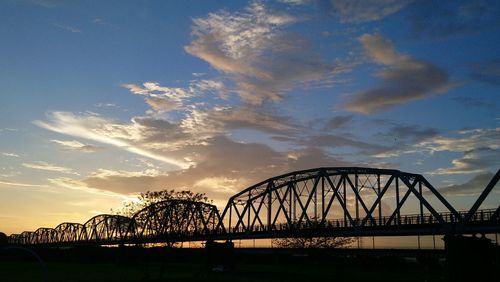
(25, 238)
(175, 218)
(332, 196)
(44, 236)
(70, 232)
(14, 239)
(19, 239)
(107, 228)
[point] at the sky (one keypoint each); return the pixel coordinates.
(102, 100)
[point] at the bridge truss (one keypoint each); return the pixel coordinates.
(350, 202)
(346, 201)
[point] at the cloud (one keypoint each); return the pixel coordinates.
(468, 101)
(7, 154)
(338, 122)
(49, 167)
(218, 184)
(402, 139)
(98, 21)
(261, 58)
(222, 168)
(336, 141)
(68, 28)
(444, 19)
(77, 146)
(296, 2)
(480, 148)
(74, 184)
(468, 140)
(19, 184)
(405, 80)
(8, 129)
(224, 119)
(160, 98)
(359, 11)
(474, 186)
(474, 161)
(121, 135)
(107, 105)
(165, 99)
(399, 135)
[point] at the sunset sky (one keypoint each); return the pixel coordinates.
(101, 100)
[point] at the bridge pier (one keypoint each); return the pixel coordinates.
(219, 257)
(471, 259)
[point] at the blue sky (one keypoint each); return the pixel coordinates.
(101, 100)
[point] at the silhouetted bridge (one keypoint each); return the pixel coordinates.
(335, 201)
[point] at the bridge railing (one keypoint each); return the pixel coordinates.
(385, 221)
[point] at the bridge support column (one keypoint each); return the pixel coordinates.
(219, 257)
(470, 259)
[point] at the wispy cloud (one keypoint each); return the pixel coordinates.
(106, 105)
(74, 184)
(217, 162)
(77, 146)
(253, 47)
(359, 11)
(49, 167)
(20, 184)
(8, 129)
(480, 148)
(165, 99)
(219, 120)
(7, 154)
(69, 28)
(474, 161)
(98, 21)
(338, 122)
(405, 80)
(105, 131)
(296, 2)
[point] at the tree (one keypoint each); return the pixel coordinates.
(3, 239)
(312, 242)
(151, 197)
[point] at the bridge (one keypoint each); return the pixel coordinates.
(320, 202)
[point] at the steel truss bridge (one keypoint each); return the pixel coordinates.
(329, 201)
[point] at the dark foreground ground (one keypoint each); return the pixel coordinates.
(158, 264)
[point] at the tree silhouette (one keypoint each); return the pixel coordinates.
(151, 197)
(312, 242)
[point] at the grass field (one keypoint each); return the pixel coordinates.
(73, 272)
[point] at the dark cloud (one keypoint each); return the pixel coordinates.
(487, 71)
(442, 19)
(338, 122)
(221, 119)
(474, 186)
(405, 80)
(336, 141)
(359, 11)
(223, 168)
(468, 101)
(411, 134)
